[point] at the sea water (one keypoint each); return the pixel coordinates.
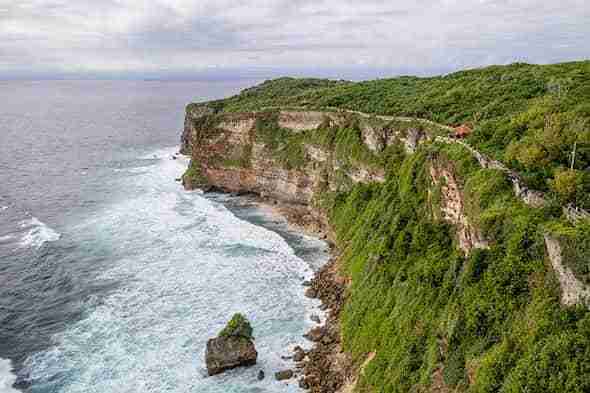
(112, 276)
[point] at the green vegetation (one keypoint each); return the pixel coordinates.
(238, 326)
(280, 92)
(575, 244)
(346, 143)
(491, 321)
(193, 175)
(527, 116)
(286, 146)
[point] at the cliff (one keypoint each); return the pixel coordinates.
(461, 276)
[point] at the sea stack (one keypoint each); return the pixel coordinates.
(233, 347)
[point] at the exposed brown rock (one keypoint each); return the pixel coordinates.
(311, 293)
(452, 208)
(573, 291)
(326, 367)
(284, 374)
(299, 354)
(232, 348)
(226, 353)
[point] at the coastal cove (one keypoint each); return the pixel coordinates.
(135, 267)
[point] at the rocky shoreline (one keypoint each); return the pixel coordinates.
(325, 368)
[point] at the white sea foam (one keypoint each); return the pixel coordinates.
(185, 265)
(3, 208)
(7, 378)
(37, 233)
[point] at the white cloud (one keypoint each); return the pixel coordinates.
(170, 36)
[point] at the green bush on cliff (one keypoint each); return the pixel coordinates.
(238, 326)
(489, 322)
(285, 145)
(278, 92)
(193, 174)
(346, 142)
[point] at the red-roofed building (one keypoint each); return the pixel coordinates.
(462, 131)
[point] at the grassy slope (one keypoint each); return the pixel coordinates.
(491, 322)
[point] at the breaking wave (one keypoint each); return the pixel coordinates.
(7, 378)
(185, 264)
(37, 233)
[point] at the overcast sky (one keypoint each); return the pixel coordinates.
(337, 38)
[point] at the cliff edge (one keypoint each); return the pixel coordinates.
(458, 275)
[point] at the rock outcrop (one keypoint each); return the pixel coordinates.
(573, 291)
(283, 375)
(452, 208)
(232, 348)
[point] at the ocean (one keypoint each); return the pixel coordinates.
(112, 276)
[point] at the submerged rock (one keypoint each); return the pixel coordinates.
(299, 354)
(282, 375)
(303, 383)
(260, 375)
(315, 334)
(232, 348)
(311, 293)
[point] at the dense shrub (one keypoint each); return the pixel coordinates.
(492, 320)
(238, 326)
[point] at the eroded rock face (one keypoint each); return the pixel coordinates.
(572, 290)
(189, 133)
(300, 120)
(452, 208)
(226, 353)
(230, 156)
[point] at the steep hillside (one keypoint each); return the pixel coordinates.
(460, 277)
(527, 116)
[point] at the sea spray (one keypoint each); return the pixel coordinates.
(37, 233)
(7, 378)
(184, 264)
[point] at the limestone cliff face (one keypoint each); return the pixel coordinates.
(229, 153)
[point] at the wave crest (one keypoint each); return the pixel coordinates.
(37, 233)
(7, 378)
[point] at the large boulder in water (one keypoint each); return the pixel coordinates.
(232, 348)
